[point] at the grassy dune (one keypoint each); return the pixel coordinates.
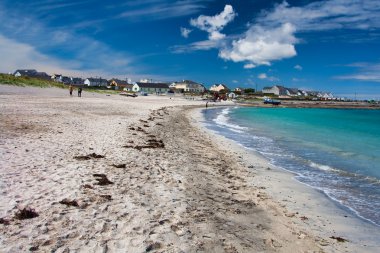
(28, 81)
(35, 82)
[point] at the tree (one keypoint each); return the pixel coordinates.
(249, 90)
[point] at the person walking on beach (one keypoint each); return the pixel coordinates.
(71, 88)
(79, 92)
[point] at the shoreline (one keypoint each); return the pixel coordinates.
(328, 217)
(314, 104)
(109, 173)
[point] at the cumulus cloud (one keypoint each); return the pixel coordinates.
(272, 35)
(214, 24)
(298, 67)
(260, 46)
(185, 32)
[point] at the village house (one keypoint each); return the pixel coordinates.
(325, 95)
(120, 84)
(77, 81)
(96, 82)
(31, 73)
(188, 86)
(275, 90)
(219, 88)
(67, 79)
(282, 91)
(150, 88)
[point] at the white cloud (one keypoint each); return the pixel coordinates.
(271, 36)
(159, 10)
(261, 46)
(185, 32)
(235, 81)
(34, 41)
(199, 45)
(214, 24)
(262, 76)
(249, 66)
(21, 55)
(369, 72)
(370, 77)
(294, 79)
(325, 15)
(215, 35)
(24, 56)
(298, 67)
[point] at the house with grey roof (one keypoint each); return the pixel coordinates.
(188, 86)
(219, 88)
(120, 84)
(77, 81)
(99, 82)
(150, 88)
(31, 73)
(275, 90)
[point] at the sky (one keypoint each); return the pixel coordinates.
(331, 45)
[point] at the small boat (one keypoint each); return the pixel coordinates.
(271, 101)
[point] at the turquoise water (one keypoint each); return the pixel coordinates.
(336, 151)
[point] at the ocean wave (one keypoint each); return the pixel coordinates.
(223, 120)
(323, 167)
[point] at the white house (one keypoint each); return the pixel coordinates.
(95, 82)
(188, 86)
(219, 87)
(150, 87)
(135, 87)
(31, 73)
(275, 90)
(24, 72)
(325, 95)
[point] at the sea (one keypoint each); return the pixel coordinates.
(336, 151)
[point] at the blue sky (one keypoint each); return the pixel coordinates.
(317, 45)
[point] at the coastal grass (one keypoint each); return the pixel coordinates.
(28, 81)
(41, 83)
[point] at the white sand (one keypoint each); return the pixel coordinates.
(178, 191)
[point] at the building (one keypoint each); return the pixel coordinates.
(150, 88)
(282, 91)
(96, 82)
(219, 88)
(77, 81)
(31, 73)
(325, 95)
(120, 84)
(188, 86)
(275, 90)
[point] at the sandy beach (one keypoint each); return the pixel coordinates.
(106, 173)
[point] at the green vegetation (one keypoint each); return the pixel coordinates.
(249, 91)
(28, 81)
(36, 82)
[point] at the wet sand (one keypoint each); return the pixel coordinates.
(105, 173)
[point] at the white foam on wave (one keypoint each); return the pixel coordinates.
(223, 120)
(322, 167)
